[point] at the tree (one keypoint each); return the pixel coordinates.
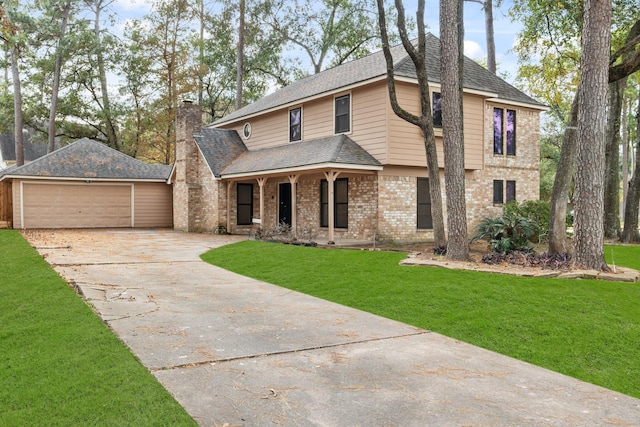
(592, 103)
(65, 10)
(630, 232)
(331, 31)
(549, 56)
(425, 120)
(240, 57)
(487, 5)
(451, 66)
(9, 36)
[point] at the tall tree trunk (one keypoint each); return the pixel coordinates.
(612, 160)
(56, 77)
(558, 242)
(17, 106)
(201, 65)
(240, 60)
(425, 120)
(451, 51)
(592, 103)
(625, 155)
(630, 232)
(109, 123)
(491, 44)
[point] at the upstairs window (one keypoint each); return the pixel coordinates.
(504, 131)
(437, 109)
(498, 118)
(343, 114)
(511, 133)
(295, 124)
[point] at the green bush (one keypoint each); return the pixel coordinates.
(507, 233)
(534, 210)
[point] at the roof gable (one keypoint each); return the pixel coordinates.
(372, 67)
(219, 147)
(89, 159)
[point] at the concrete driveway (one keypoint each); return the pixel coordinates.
(239, 352)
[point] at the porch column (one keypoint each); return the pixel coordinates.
(293, 179)
(331, 178)
(261, 184)
(229, 185)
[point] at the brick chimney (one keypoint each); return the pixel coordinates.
(187, 179)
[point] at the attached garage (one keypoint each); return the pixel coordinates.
(89, 185)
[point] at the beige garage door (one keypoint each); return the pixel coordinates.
(76, 206)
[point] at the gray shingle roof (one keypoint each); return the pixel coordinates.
(89, 159)
(374, 66)
(338, 149)
(219, 147)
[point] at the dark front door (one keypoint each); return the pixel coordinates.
(284, 204)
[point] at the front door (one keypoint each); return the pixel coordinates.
(284, 203)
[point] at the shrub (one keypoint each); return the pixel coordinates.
(534, 210)
(507, 233)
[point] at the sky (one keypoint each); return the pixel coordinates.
(475, 41)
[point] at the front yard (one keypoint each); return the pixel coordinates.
(586, 329)
(59, 364)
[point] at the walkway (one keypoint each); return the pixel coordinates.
(238, 352)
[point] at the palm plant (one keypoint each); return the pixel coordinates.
(507, 233)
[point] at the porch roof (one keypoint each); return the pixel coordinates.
(228, 157)
(337, 151)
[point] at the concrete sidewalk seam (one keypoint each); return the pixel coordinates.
(278, 353)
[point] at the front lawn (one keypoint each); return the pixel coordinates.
(586, 329)
(59, 364)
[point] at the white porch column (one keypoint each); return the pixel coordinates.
(229, 185)
(261, 184)
(293, 179)
(331, 178)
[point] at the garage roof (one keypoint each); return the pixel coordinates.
(89, 159)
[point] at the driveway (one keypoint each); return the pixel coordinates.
(239, 352)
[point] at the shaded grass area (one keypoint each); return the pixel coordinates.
(59, 364)
(586, 329)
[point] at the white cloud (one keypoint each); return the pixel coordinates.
(132, 7)
(473, 50)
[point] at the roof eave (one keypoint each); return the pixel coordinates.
(83, 179)
(539, 107)
(306, 168)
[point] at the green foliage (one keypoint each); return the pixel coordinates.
(593, 335)
(507, 233)
(60, 365)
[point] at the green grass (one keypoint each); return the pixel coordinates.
(59, 364)
(583, 328)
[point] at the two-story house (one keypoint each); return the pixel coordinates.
(327, 154)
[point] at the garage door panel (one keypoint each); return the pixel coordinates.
(76, 206)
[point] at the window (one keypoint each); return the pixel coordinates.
(504, 131)
(498, 115)
(437, 109)
(343, 114)
(498, 196)
(295, 124)
(425, 221)
(511, 191)
(245, 203)
(499, 191)
(246, 130)
(340, 203)
(511, 132)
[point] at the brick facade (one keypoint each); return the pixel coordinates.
(382, 207)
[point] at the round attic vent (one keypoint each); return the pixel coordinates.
(246, 130)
